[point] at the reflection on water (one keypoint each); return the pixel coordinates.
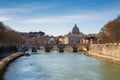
(61, 66)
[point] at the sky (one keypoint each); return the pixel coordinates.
(58, 17)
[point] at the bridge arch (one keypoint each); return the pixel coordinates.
(60, 47)
(42, 47)
(82, 48)
(68, 48)
(55, 47)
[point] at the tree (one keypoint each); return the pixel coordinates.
(2, 30)
(113, 32)
(2, 26)
(110, 33)
(41, 33)
(102, 35)
(9, 36)
(12, 37)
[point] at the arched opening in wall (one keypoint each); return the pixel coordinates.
(25, 48)
(68, 48)
(55, 48)
(82, 48)
(42, 48)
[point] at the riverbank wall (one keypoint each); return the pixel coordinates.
(6, 61)
(6, 50)
(106, 52)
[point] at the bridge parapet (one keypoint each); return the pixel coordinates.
(61, 47)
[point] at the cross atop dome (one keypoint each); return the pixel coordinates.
(75, 30)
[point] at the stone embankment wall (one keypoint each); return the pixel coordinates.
(8, 48)
(106, 52)
(5, 62)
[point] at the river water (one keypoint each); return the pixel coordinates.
(61, 66)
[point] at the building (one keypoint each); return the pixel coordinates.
(51, 41)
(74, 37)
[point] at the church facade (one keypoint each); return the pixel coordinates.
(74, 37)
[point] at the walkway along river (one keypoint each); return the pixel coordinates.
(61, 66)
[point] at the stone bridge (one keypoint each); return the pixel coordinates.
(49, 47)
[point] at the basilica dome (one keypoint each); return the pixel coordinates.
(75, 30)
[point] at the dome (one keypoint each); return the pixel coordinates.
(75, 30)
(51, 41)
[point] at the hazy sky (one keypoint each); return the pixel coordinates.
(58, 17)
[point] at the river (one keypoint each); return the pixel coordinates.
(61, 66)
